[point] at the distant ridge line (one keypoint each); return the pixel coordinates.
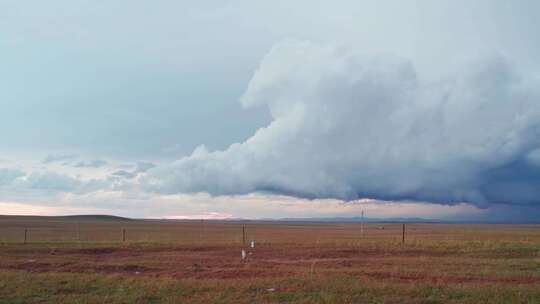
(320, 220)
(82, 217)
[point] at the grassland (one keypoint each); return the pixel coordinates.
(199, 262)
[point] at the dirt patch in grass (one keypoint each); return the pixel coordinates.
(445, 280)
(94, 251)
(224, 262)
(32, 266)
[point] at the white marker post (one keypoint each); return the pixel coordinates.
(243, 254)
(252, 244)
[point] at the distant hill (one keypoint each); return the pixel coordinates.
(86, 217)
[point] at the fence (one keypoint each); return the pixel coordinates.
(211, 232)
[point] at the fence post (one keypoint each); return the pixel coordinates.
(123, 234)
(25, 234)
(403, 234)
(244, 234)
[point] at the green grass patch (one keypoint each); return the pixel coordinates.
(22, 287)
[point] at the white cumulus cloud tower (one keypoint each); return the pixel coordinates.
(348, 126)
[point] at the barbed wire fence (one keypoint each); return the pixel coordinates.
(207, 232)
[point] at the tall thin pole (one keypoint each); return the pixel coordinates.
(403, 234)
(123, 234)
(244, 234)
(25, 234)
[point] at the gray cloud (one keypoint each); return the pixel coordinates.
(141, 167)
(95, 163)
(350, 126)
(52, 181)
(124, 173)
(144, 166)
(52, 158)
(43, 183)
(7, 175)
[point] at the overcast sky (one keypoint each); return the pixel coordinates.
(275, 109)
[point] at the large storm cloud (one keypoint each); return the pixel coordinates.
(348, 126)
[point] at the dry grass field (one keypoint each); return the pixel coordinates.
(85, 260)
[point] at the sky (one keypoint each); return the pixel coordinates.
(271, 109)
